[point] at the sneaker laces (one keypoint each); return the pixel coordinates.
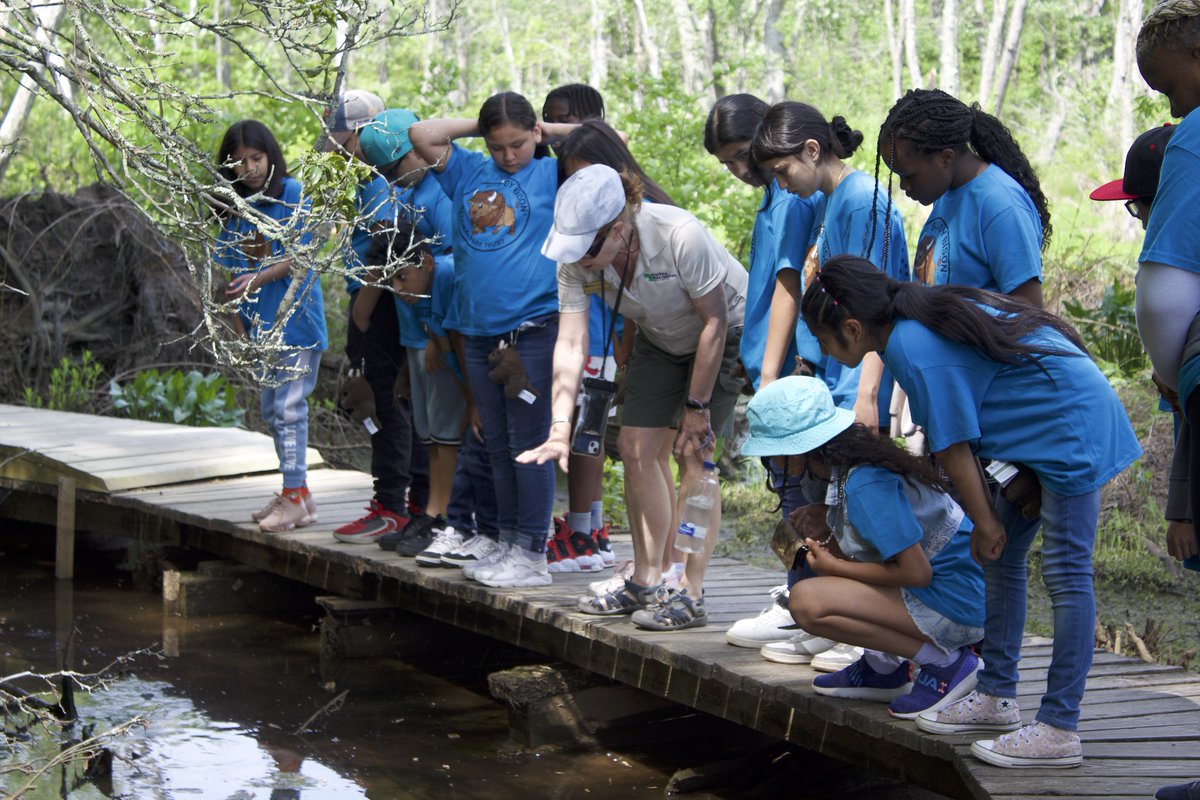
(447, 537)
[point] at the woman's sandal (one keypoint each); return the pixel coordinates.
(676, 611)
(626, 600)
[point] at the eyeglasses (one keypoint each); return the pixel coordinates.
(601, 238)
(1132, 206)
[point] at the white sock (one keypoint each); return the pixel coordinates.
(883, 663)
(930, 655)
(579, 522)
(675, 569)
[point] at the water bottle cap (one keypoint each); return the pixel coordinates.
(709, 465)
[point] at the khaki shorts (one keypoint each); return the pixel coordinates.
(657, 382)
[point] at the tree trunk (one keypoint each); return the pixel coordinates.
(908, 31)
(599, 47)
(948, 70)
(894, 48)
(1012, 48)
(221, 10)
(653, 64)
(990, 53)
(1120, 88)
(776, 57)
(689, 46)
(44, 21)
(500, 14)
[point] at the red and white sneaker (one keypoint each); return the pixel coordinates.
(603, 546)
(368, 528)
(574, 551)
(288, 512)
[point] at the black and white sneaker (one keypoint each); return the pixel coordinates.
(419, 534)
(446, 541)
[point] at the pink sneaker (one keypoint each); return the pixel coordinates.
(1036, 745)
(290, 512)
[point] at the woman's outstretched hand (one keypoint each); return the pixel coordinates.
(553, 449)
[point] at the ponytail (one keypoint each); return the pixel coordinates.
(931, 120)
(851, 288)
(788, 125)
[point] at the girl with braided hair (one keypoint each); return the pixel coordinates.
(992, 377)
(801, 151)
(989, 221)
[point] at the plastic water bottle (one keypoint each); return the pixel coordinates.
(698, 507)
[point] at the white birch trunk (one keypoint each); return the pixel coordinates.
(45, 21)
(991, 47)
(500, 10)
(948, 69)
(689, 45)
(894, 48)
(1008, 57)
(599, 47)
(908, 31)
(776, 58)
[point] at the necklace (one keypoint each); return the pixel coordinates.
(838, 180)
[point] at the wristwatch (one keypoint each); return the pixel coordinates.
(696, 405)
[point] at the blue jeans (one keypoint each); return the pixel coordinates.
(285, 410)
(524, 492)
(1068, 535)
(472, 507)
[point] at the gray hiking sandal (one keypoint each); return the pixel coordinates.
(629, 598)
(674, 612)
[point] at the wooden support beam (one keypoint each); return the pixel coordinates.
(64, 548)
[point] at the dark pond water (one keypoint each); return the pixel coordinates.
(221, 711)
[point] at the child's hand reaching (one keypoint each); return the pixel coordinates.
(240, 284)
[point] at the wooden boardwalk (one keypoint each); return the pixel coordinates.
(1140, 726)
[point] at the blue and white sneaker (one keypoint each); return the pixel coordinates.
(937, 687)
(860, 682)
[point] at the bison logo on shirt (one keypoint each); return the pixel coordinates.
(932, 264)
(488, 209)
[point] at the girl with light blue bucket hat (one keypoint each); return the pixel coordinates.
(893, 560)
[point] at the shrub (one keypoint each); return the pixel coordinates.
(191, 398)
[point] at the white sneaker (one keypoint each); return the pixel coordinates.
(470, 552)
(837, 658)
(773, 624)
(447, 541)
(491, 556)
(518, 568)
(799, 649)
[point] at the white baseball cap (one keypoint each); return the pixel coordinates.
(586, 202)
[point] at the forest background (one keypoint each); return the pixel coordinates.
(139, 94)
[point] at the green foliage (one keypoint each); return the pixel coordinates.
(73, 386)
(1110, 331)
(614, 494)
(184, 398)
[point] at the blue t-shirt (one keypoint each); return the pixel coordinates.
(1069, 427)
(306, 328)
(843, 227)
(432, 211)
(779, 241)
(881, 514)
(375, 203)
(1173, 237)
(500, 223)
(600, 318)
(985, 234)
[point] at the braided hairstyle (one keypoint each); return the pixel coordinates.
(1173, 24)
(850, 287)
(582, 101)
(931, 120)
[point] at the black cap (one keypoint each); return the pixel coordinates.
(1143, 163)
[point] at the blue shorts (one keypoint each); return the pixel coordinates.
(944, 632)
(439, 406)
